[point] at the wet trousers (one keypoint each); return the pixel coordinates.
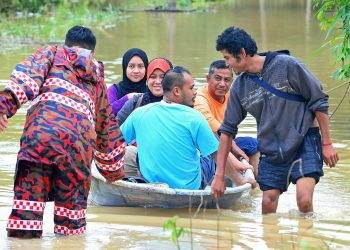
(35, 184)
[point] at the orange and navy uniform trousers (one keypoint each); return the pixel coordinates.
(69, 123)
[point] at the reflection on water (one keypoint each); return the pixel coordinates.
(189, 40)
(139, 228)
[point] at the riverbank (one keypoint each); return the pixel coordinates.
(36, 25)
(44, 28)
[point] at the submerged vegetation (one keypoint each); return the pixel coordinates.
(176, 232)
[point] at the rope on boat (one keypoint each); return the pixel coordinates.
(190, 211)
(217, 224)
(199, 207)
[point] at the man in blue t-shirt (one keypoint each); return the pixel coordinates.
(175, 143)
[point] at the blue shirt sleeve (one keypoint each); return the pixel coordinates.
(128, 129)
(204, 138)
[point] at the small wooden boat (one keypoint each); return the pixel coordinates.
(128, 194)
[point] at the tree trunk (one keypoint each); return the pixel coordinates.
(172, 4)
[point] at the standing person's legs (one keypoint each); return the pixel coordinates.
(305, 191)
(31, 188)
(308, 170)
(304, 170)
(72, 185)
(270, 201)
(273, 181)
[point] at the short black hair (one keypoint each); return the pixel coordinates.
(219, 64)
(233, 39)
(174, 77)
(80, 36)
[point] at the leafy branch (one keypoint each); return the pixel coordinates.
(334, 17)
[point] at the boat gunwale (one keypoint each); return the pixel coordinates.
(167, 190)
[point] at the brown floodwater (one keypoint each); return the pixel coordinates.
(188, 39)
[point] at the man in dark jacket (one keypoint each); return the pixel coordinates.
(289, 117)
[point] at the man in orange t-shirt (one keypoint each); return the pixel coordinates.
(211, 101)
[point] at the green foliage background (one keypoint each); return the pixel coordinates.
(334, 17)
(52, 20)
(36, 6)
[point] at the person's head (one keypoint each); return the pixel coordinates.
(155, 74)
(80, 36)
(219, 80)
(235, 44)
(178, 86)
(135, 63)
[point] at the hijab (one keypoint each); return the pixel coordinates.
(126, 86)
(157, 63)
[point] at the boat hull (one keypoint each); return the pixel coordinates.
(128, 194)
